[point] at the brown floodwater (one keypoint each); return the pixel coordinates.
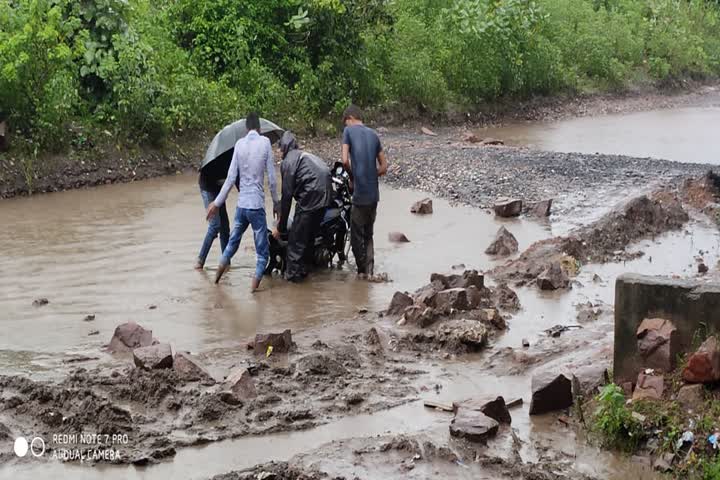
(116, 251)
(682, 134)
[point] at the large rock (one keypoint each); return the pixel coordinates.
(473, 425)
(422, 207)
(419, 316)
(281, 342)
(703, 366)
(494, 408)
(453, 298)
(658, 344)
(587, 379)
(508, 207)
(239, 387)
(426, 294)
(398, 237)
(190, 370)
(504, 244)
(399, 303)
(691, 397)
(553, 278)
(153, 357)
(461, 336)
(550, 391)
(649, 387)
(130, 336)
(320, 364)
(467, 279)
(540, 209)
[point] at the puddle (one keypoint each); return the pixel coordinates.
(683, 134)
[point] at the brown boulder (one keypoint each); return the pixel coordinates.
(505, 297)
(493, 408)
(239, 387)
(473, 425)
(508, 207)
(587, 379)
(703, 366)
(493, 317)
(426, 294)
(130, 336)
(422, 207)
(451, 299)
(190, 370)
(649, 387)
(504, 244)
(153, 357)
(398, 237)
(553, 278)
(658, 344)
(281, 342)
(399, 303)
(540, 209)
(550, 391)
(419, 316)
(691, 397)
(467, 279)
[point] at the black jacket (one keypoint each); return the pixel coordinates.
(306, 178)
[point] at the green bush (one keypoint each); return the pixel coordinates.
(613, 420)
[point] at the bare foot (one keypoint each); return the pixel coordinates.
(222, 268)
(255, 285)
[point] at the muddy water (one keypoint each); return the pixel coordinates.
(684, 134)
(117, 251)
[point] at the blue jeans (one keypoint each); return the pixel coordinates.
(219, 224)
(243, 218)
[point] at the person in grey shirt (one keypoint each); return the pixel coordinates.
(251, 159)
(364, 158)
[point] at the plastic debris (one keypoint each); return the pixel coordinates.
(687, 437)
(269, 351)
(714, 440)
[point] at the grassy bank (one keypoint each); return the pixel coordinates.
(74, 74)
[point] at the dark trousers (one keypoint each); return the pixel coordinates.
(362, 224)
(301, 243)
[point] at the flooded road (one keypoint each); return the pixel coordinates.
(683, 134)
(116, 251)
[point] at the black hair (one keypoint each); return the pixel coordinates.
(252, 121)
(354, 112)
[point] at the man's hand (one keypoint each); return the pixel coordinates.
(276, 234)
(276, 211)
(212, 211)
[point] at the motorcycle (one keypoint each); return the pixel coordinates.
(333, 239)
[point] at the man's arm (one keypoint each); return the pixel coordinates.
(270, 167)
(382, 163)
(227, 185)
(288, 170)
(346, 156)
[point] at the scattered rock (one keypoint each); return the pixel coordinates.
(40, 302)
(493, 408)
(467, 279)
(702, 268)
(372, 338)
(588, 379)
(459, 266)
(427, 131)
(398, 237)
(664, 463)
(597, 279)
(507, 207)
(550, 391)
(691, 397)
(453, 298)
(648, 387)
(504, 244)
(422, 207)
(492, 316)
(473, 425)
(153, 357)
(492, 141)
(93, 332)
(703, 366)
(399, 303)
(506, 298)
(540, 209)
(190, 370)
(239, 387)
(130, 336)
(419, 316)
(658, 344)
(89, 318)
(553, 278)
(281, 342)
(472, 138)
(320, 364)
(525, 343)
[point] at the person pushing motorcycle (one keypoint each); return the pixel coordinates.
(307, 179)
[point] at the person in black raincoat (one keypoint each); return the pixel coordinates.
(306, 178)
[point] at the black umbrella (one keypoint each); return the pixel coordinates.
(219, 154)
